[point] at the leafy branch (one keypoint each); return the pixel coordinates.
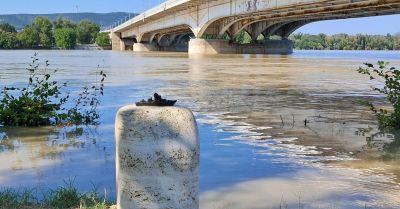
(42, 102)
(390, 78)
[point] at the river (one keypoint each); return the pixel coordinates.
(256, 151)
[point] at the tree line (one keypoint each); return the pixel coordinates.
(44, 34)
(329, 42)
(345, 42)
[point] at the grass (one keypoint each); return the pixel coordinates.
(68, 197)
(64, 197)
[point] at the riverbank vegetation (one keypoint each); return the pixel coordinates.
(322, 41)
(103, 40)
(64, 197)
(345, 42)
(41, 101)
(389, 77)
(44, 34)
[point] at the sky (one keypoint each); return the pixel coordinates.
(367, 25)
(70, 6)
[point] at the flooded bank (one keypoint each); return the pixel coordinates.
(256, 151)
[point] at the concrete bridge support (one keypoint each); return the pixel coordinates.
(116, 42)
(219, 46)
(121, 44)
(284, 46)
(212, 46)
(145, 47)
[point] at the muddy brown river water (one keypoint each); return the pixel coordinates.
(256, 151)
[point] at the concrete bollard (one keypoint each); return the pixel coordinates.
(157, 158)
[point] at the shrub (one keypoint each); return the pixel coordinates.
(390, 78)
(65, 38)
(42, 102)
(103, 40)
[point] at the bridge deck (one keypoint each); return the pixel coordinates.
(299, 7)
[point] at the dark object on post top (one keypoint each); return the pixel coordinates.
(157, 101)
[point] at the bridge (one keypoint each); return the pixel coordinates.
(209, 26)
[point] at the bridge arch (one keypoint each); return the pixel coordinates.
(286, 28)
(269, 28)
(253, 26)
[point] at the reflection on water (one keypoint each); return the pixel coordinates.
(275, 130)
(44, 157)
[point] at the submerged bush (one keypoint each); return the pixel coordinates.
(41, 101)
(390, 78)
(103, 40)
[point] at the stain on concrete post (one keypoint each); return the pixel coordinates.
(157, 158)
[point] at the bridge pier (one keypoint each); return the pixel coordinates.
(284, 46)
(145, 47)
(221, 46)
(116, 42)
(210, 46)
(206, 46)
(121, 44)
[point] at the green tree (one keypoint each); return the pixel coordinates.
(65, 38)
(243, 37)
(37, 35)
(346, 42)
(29, 38)
(7, 28)
(8, 40)
(63, 23)
(45, 29)
(103, 40)
(87, 32)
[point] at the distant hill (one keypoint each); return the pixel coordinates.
(102, 19)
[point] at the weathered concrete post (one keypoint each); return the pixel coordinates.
(157, 158)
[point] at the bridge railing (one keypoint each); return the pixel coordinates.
(119, 22)
(153, 9)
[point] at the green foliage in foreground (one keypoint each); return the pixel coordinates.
(345, 42)
(65, 197)
(65, 38)
(103, 40)
(390, 78)
(41, 101)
